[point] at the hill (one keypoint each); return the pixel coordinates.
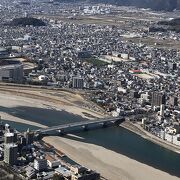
(173, 25)
(26, 21)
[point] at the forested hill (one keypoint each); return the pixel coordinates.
(167, 5)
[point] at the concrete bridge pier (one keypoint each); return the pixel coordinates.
(38, 137)
(85, 127)
(105, 125)
(61, 132)
(119, 122)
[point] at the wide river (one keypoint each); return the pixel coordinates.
(117, 139)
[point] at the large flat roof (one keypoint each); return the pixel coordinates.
(6, 62)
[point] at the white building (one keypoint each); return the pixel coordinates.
(10, 154)
(8, 138)
(52, 162)
(40, 164)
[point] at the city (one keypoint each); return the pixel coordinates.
(118, 61)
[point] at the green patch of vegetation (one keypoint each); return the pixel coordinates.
(26, 21)
(95, 61)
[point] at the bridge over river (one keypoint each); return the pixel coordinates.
(79, 126)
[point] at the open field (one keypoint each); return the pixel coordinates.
(87, 19)
(95, 61)
(170, 44)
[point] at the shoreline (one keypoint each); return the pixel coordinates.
(11, 118)
(92, 156)
(110, 164)
(150, 137)
(71, 103)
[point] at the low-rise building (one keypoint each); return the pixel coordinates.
(40, 164)
(11, 71)
(52, 162)
(64, 172)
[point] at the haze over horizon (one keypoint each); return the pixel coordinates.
(167, 5)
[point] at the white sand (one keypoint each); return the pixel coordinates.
(111, 165)
(66, 102)
(12, 101)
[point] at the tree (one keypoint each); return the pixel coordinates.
(58, 177)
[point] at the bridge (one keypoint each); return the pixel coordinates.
(78, 126)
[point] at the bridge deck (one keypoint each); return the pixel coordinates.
(77, 124)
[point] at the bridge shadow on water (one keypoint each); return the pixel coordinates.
(133, 146)
(48, 117)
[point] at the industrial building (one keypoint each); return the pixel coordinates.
(3, 53)
(78, 82)
(11, 71)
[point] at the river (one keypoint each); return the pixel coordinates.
(117, 139)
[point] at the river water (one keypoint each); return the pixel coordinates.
(116, 139)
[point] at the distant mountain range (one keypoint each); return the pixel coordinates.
(167, 5)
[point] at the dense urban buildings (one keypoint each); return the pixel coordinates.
(36, 158)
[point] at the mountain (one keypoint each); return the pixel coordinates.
(167, 5)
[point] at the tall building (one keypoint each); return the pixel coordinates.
(173, 101)
(134, 94)
(9, 138)
(10, 154)
(172, 66)
(158, 99)
(2, 127)
(162, 108)
(29, 137)
(40, 164)
(78, 82)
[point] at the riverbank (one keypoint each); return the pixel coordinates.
(111, 165)
(137, 129)
(8, 117)
(15, 101)
(62, 100)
